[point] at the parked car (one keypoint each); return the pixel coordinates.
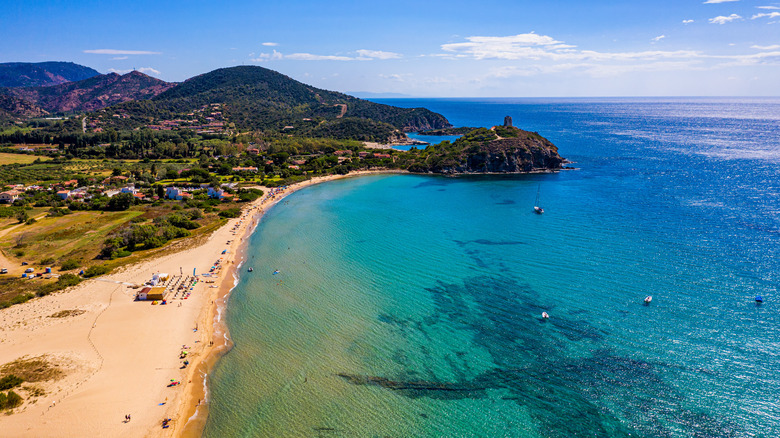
(28, 270)
(24, 263)
(3, 271)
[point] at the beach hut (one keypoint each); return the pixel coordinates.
(153, 293)
(143, 294)
(156, 293)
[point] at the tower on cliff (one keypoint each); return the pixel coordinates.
(508, 121)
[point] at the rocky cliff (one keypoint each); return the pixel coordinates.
(501, 149)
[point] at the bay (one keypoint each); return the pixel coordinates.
(410, 305)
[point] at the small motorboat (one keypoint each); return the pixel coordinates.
(276, 272)
(251, 269)
(545, 315)
(759, 300)
(648, 299)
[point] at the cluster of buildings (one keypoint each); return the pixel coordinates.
(180, 193)
(206, 120)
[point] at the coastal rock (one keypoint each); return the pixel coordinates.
(501, 149)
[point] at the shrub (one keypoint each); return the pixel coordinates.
(13, 400)
(10, 381)
(19, 253)
(154, 242)
(30, 221)
(69, 264)
(180, 221)
(123, 253)
(47, 261)
(230, 213)
(65, 280)
(94, 271)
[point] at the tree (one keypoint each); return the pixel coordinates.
(120, 202)
(21, 216)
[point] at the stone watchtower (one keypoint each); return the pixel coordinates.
(508, 121)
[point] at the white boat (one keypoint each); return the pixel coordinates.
(545, 315)
(537, 208)
(648, 299)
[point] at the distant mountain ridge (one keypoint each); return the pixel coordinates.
(92, 94)
(247, 98)
(42, 74)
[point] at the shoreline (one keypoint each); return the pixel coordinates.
(191, 414)
(119, 355)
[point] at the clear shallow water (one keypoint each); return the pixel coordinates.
(437, 284)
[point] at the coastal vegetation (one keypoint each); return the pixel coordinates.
(109, 182)
(22, 375)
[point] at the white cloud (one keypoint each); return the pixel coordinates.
(772, 47)
(719, 1)
(549, 56)
(540, 47)
(147, 70)
(720, 19)
(120, 52)
(312, 57)
(267, 56)
(658, 38)
(363, 55)
(527, 45)
(764, 14)
(270, 44)
(768, 7)
(398, 77)
(377, 54)
(687, 21)
(119, 58)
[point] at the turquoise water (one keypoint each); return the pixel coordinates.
(410, 305)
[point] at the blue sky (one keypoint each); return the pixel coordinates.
(422, 48)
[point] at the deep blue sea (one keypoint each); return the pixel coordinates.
(410, 306)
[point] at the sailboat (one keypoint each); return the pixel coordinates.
(537, 208)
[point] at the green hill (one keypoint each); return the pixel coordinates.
(256, 98)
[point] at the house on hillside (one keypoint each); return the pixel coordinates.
(63, 194)
(174, 193)
(245, 169)
(9, 196)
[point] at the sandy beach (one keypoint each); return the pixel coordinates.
(120, 355)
